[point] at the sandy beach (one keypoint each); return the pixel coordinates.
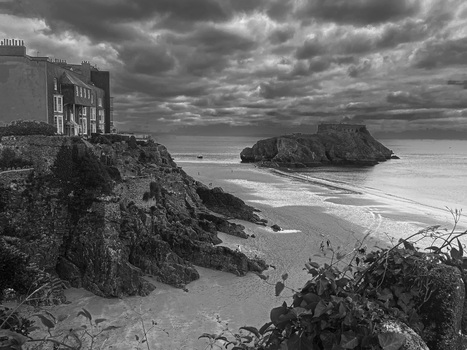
(308, 214)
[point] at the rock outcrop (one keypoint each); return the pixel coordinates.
(336, 146)
(224, 203)
(103, 215)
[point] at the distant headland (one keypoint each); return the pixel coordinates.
(333, 144)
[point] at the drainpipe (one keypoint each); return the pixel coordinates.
(46, 95)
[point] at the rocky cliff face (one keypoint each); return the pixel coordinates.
(103, 215)
(304, 150)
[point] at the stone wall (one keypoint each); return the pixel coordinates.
(14, 177)
(40, 150)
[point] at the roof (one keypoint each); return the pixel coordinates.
(68, 78)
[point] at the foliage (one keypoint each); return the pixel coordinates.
(81, 176)
(155, 192)
(346, 301)
(108, 138)
(100, 139)
(27, 127)
(90, 335)
(12, 321)
(13, 266)
(8, 159)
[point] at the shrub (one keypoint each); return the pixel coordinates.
(11, 321)
(8, 159)
(27, 127)
(346, 308)
(13, 269)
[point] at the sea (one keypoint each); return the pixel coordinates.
(429, 180)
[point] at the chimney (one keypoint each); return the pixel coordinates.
(86, 70)
(12, 47)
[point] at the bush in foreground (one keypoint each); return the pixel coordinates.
(27, 127)
(384, 299)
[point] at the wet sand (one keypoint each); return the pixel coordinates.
(309, 214)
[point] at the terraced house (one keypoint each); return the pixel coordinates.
(73, 97)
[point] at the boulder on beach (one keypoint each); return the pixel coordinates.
(276, 228)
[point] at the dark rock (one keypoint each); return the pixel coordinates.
(222, 225)
(326, 147)
(409, 339)
(395, 157)
(226, 204)
(276, 228)
(441, 305)
(80, 214)
(442, 315)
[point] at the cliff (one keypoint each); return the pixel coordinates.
(103, 215)
(333, 144)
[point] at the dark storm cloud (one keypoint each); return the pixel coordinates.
(359, 12)
(213, 40)
(279, 9)
(407, 31)
(200, 63)
(404, 97)
(356, 70)
(441, 53)
(146, 58)
(310, 48)
(249, 62)
(348, 40)
(103, 20)
(272, 90)
(281, 35)
(404, 115)
(160, 89)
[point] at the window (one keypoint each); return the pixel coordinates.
(93, 128)
(89, 93)
(77, 91)
(85, 111)
(99, 101)
(58, 104)
(101, 116)
(58, 121)
(92, 98)
(81, 92)
(84, 126)
(93, 113)
(55, 84)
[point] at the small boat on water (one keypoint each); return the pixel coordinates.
(199, 156)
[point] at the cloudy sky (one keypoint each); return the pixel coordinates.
(257, 66)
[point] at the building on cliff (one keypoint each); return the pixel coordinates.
(73, 97)
(350, 128)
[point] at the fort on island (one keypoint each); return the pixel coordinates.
(350, 128)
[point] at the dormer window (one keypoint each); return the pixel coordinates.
(77, 91)
(55, 84)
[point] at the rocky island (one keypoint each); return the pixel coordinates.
(333, 144)
(102, 214)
